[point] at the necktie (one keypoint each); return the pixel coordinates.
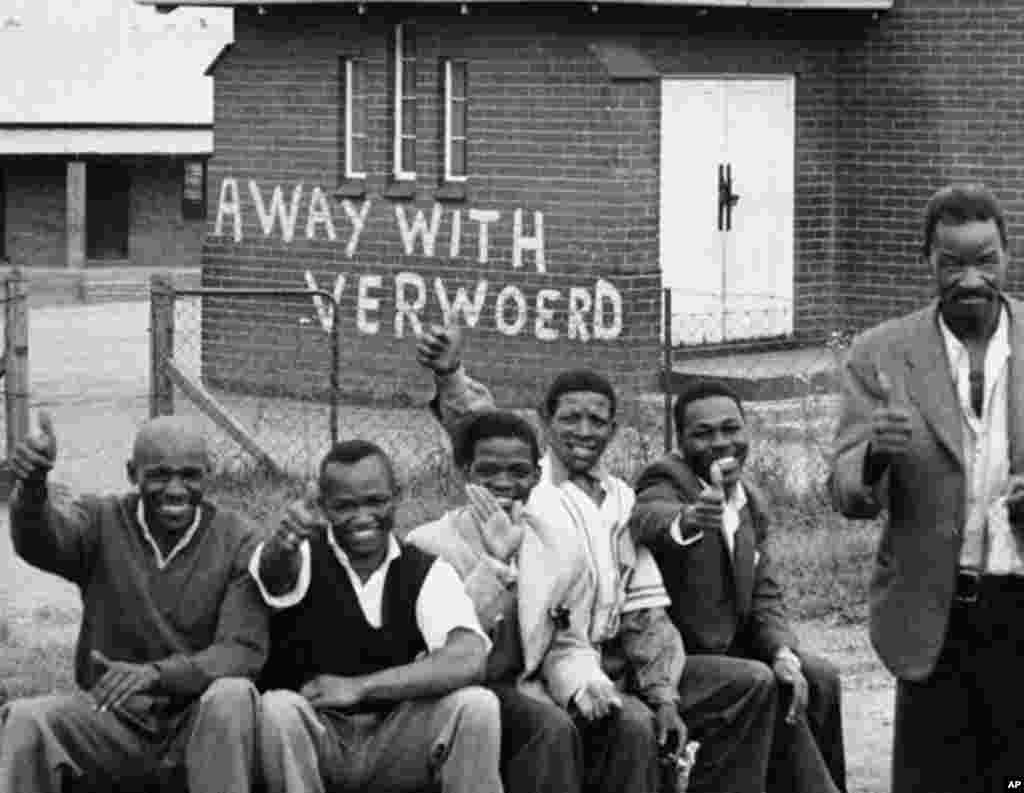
(977, 381)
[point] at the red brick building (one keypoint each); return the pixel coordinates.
(542, 169)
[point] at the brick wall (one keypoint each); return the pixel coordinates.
(160, 235)
(36, 201)
(549, 133)
(933, 96)
(36, 213)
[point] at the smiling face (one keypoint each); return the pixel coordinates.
(714, 429)
(359, 501)
(505, 466)
(169, 466)
(969, 262)
(580, 429)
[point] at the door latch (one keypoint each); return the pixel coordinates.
(727, 199)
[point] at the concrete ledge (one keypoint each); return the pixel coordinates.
(48, 286)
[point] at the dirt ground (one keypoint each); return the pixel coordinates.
(89, 368)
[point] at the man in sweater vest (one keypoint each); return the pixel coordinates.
(375, 648)
(706, 525)
(172, 627)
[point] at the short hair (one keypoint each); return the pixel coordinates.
(491, 424)
(956, 204)
(702, 389)
(576, 380)
(351, 452)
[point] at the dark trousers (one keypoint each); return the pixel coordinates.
(808, 756)
(728, 704)
(620, 750)
(541, 750)
(962, 729)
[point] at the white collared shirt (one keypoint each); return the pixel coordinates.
(441, 607)
(986, 452)
(732, 507)
(161, 560)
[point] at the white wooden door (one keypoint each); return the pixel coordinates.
(731, 272)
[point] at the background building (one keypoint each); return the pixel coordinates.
(105, 133)
(542, 169)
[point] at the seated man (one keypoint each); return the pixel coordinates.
(172, 627)
(375, 647)
(706, 525)
(610, 632)
(487, 541)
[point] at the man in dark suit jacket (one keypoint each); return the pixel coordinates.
(706, 526)
(932, 429)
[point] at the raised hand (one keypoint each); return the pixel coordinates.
(34, 456)
(500, 534)
(439, 348)
(120, 680)
(704, 514)
(725, 473)
(890, 423)
(302, 519)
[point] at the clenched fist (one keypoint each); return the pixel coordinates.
(439, 348)
(704, 514)
(34, 456)
(890, 427)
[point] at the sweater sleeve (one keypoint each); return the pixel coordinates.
(59, 541)
(242, 639)
(458, 395)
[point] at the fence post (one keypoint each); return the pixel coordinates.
(666, 376)
(161, 345)
(16, 376)
(335, 368)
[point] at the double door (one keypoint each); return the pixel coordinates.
(726, 206)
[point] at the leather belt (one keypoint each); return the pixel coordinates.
(972, 586)
(968, 582)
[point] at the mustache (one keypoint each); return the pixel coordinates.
(985, 293)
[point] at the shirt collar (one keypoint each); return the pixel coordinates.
(998, 345)
(554, 471)
(186, 538)
(394, 551)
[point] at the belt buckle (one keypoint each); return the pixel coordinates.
(967, 586)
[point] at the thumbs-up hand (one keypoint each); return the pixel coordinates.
(34, 456)
(120, 680)
(890, 422)
(439, 348)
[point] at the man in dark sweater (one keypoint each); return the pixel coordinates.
(172, 626)
(706, 525)
(375, 650)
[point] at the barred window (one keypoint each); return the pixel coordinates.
(354, 132)
(456, 78)
(404, 145)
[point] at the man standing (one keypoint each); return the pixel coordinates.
(932, 429)
(172, 626)
(706, 524)
(375, 650)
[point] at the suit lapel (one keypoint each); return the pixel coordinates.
(930, 383)
(743, 562)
